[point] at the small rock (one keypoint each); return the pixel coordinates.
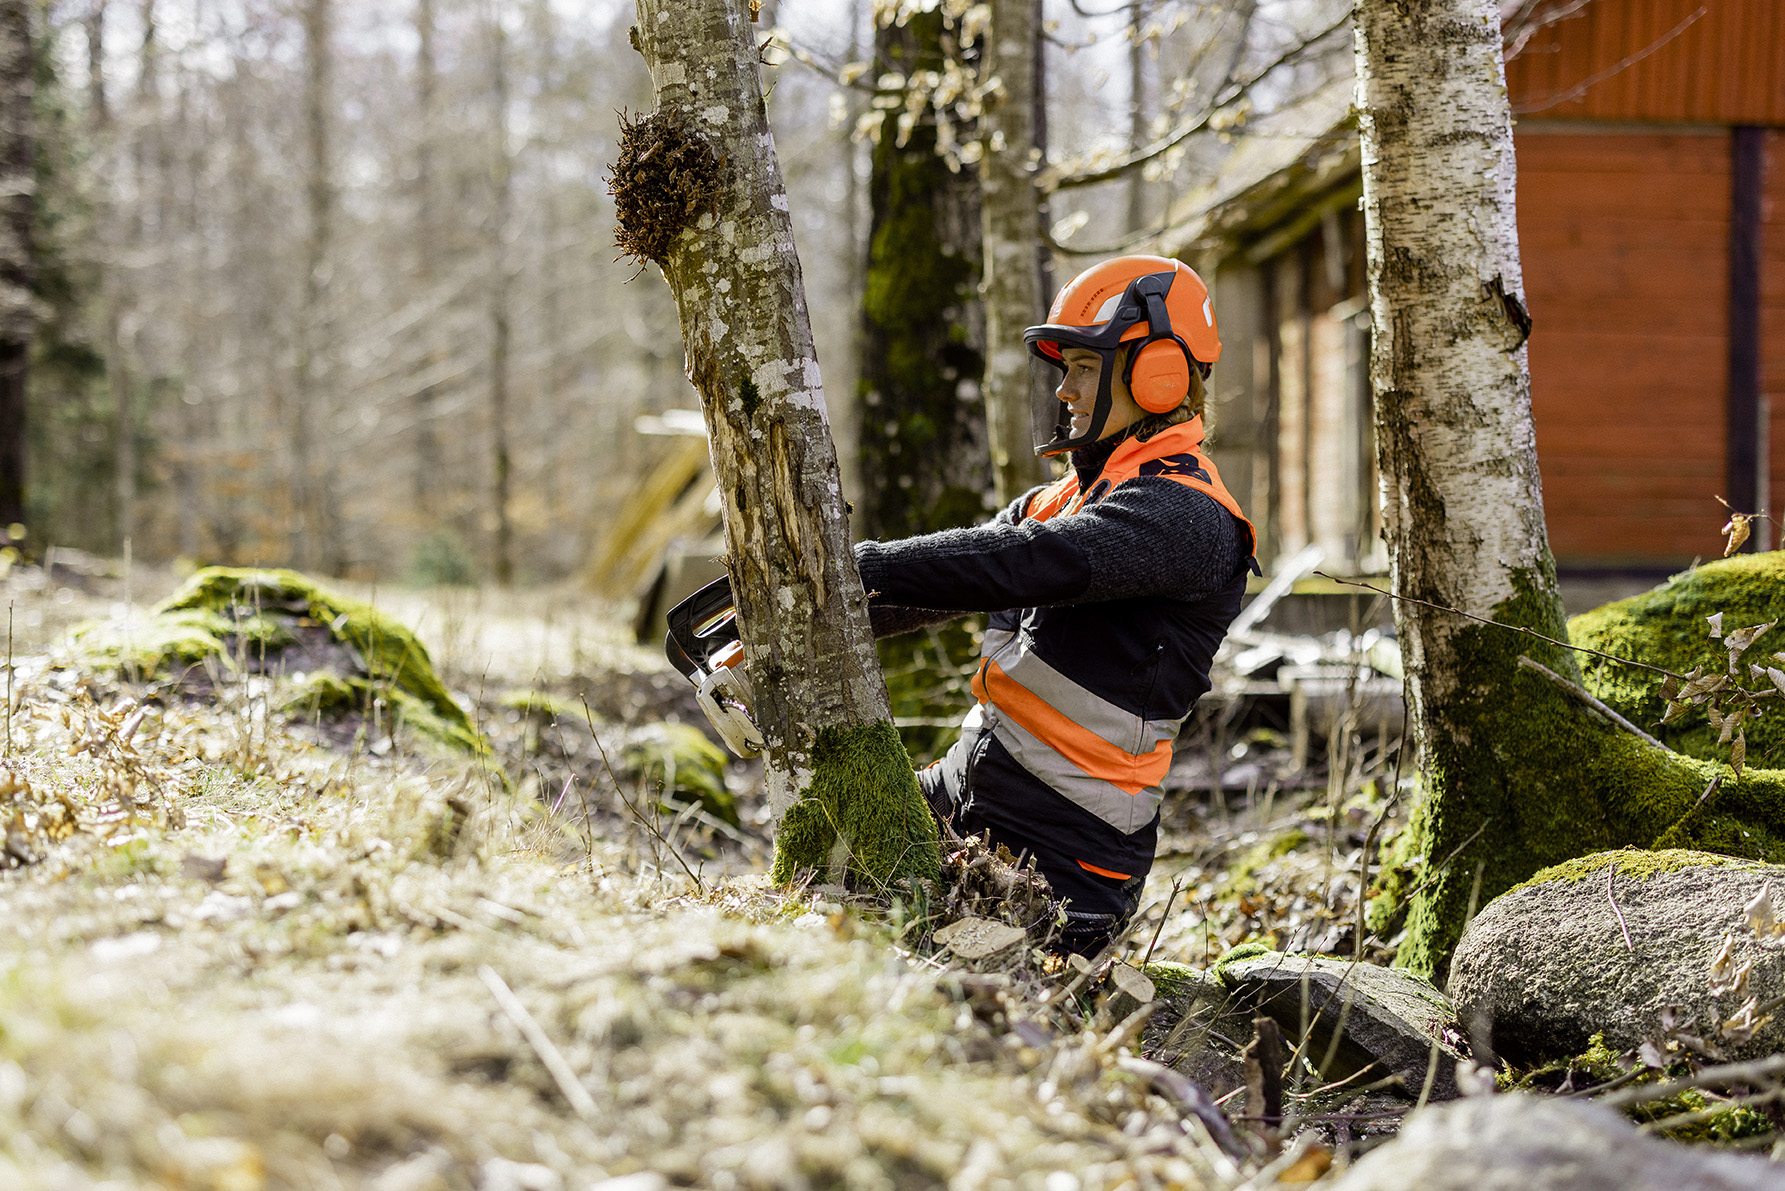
(977, 938)
(203, 868)
(1531, 1143)
(1545, 967)
(1386, 1019)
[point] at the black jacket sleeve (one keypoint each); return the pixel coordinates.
(1149, 537)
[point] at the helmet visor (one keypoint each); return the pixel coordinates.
(1057, 426)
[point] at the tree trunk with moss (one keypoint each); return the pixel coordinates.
(1011, 215)
(1518, 775)
(699, 190)
(922, 442)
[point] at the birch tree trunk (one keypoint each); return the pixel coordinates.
(502, 170)
(839, 781)
(1011, 214)
(17, 262)
(1516, 776)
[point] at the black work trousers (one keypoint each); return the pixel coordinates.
(1097, 907)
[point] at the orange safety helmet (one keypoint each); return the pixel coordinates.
(1159, 304)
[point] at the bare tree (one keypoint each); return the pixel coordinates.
(501, 216)
(718, 224)
(1518, 774)
(314, 527)
(17, 266)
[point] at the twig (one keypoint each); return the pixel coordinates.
(1187, 1094)
(1622, 925)
(9, 608)
(542, 1045)
(1163, 914)
(1728, 1073)
(1511, 628)
(636, 813)
(1581, 693)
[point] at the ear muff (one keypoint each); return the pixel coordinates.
(1159, 376)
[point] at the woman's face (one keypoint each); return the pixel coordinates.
(1078, 389)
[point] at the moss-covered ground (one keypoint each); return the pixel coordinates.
(244, 617)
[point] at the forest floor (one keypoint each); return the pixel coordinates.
(246, 949)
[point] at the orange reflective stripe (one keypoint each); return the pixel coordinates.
(1090, 752)
(1106, 872)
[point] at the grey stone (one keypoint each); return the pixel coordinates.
(1543, 968)
(1387, 1021)
(1533, 1143)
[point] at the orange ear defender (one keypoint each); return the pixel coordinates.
(1153, 310)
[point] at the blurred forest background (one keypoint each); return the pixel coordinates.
(333, 284)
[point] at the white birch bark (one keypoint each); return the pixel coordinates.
(736, 277)
(1011, 213)
(1461, 498)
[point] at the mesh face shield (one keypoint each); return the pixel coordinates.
(1050, 417)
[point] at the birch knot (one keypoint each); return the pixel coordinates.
(667, 177)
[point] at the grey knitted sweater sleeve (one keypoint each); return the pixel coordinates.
(1150, 536)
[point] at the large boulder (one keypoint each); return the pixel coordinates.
(1530, 1143)
(1546, 966)
(1669, 627)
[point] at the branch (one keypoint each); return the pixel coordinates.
(1183, 132)
(1729, 1073)
(1511, 628)
(1593, 80)
(1581, 693)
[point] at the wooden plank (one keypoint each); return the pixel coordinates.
(1747, 147)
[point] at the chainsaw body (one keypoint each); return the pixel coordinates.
(703, 644)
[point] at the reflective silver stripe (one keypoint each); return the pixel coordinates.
(1126, 731)
(1125, 812)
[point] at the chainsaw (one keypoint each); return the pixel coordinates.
(703, 644)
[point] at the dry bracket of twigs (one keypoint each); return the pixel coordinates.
(666, 178)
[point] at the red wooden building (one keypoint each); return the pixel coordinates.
(1651, 155)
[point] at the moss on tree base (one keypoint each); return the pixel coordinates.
(1520, 777)
(862, 818)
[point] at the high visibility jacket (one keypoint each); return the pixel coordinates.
(1079, 704)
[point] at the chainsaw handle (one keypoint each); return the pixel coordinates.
(699, 627)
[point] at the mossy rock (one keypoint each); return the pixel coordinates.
(226, 613)
(1667, 627)
(326, 694)
(542, 706)
(679, 759)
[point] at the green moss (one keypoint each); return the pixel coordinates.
(323, 693)
(1257, 949)
(1520, 778)
(1171, 979)
(1636, 863)
(541, 705)
(862, 808)
(1666, 627)
(222, 612)
(1240, 877)
(679, 759)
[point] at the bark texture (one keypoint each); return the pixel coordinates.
(845, 798)
(1517, 776)
(1011, 212)
(17, 274)
(922, 438)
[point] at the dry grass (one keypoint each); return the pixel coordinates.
(260, 967)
